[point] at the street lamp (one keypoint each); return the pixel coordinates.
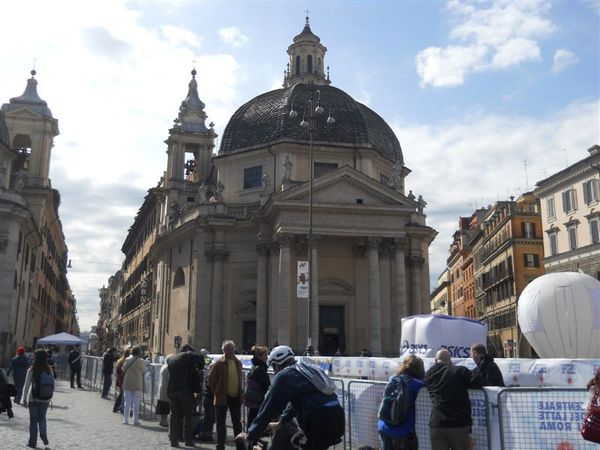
(310, 114)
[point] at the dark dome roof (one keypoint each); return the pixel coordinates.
(265, 119)
(4, 136)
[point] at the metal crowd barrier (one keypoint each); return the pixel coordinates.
(507, 419)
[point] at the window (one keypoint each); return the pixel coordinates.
(384, 179)
(297, 65)
(569, 200)
(595, 230)
(590, 191)
(531, 260)
(572, 238)
(252, 177)
(550, 211)
(528, 230)
(309, 64)
(323, 168)
(179, 278)
(553, 244)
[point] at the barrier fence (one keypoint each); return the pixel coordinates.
(503, 418)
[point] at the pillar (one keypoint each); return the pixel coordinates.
(283, 329)
(314, 298)
(400, 300)
(216, 317)
(374, 298)
(261, 294)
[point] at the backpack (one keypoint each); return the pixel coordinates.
(43, 386)
(316, 376)
(394, 405)
(253, 394)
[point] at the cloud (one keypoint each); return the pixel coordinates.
(563, 58)
(488, 36)
(103, 43)
(233, 36)
(479, 159)
(181, 36)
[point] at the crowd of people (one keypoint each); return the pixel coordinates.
(297, 408)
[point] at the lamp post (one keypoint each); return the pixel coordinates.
(310, 114)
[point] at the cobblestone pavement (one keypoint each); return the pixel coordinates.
(80, 419)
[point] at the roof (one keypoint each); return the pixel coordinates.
(29, 99)
(265, 120)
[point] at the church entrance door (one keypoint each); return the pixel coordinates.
(249, 335)
(332, 334)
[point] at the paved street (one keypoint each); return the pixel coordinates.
(80, 419)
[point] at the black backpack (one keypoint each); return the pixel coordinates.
(43, 386)
(394, 405)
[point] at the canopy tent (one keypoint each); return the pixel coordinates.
(61, 339)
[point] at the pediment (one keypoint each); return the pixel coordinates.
(346, 186)
(23, 112)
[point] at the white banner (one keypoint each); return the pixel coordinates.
(424, 335)
(302, 281)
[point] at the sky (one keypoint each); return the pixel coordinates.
(486, 97)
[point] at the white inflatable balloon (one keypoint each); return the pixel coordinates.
(559, 314)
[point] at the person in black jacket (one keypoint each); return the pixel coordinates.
(75, 366)
(293, 394)
(185, 378)
(489, 370)
(450, 421)
(257, 383)
(108, 365)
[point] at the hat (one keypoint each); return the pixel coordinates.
(21, 350)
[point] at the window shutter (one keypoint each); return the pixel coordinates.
(564, 201)
(523, 229)
(595, 189)
(533, 230)
(573, 193)
(595, 232)
(536, 261)
(525, 259)
(586, 194)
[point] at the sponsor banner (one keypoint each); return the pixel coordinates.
(302, 281)
(424, 335)
(516, 372)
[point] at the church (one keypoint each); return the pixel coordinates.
(299, 231)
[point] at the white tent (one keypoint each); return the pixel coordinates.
(61, 339)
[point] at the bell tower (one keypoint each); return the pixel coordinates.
(307, 60)
(190, 142)
(32, 131)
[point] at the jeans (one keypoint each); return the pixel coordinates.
(131, 401)
(76, 372)
(450, 438)
(106, 385)
(37, 417)
(182, 408)
(408, 442)
(235, 411)
(19, 382)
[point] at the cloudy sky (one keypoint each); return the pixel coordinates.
(473, 90)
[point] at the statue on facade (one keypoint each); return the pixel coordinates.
(422, 204)
(174, 213)
(287, 170)
(410, 195)
(266, 185)
(397, 182)
(19, 181)
(218, 194)
(203, 192)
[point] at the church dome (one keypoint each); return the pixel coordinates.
(265, 120)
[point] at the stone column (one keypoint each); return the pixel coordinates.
(400, 299)
(261, 294)
(416, 262)
(314, 287)
(283, 329)
(216, 313)
(374, 298)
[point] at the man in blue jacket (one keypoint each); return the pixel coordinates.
(305, 393)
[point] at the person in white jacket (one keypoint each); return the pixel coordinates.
(133, 385)
(163, 396)
(38, 406)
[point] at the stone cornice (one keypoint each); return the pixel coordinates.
(567, 177)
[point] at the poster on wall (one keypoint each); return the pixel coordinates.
(302, 281)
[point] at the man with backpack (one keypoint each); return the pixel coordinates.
(38, 391)
(302, 391)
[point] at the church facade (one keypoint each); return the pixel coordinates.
(221, 238)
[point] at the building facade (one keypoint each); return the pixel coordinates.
(225, 234)
(440, 297)
(570, 204)
(35, 297)
(508, 255)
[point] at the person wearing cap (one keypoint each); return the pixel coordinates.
(294, 393)
(18, 368)
(225, 381)
(184, 378)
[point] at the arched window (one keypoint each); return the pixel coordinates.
(309, 64)
(298, 65)
(179, 278)
(319, 65)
